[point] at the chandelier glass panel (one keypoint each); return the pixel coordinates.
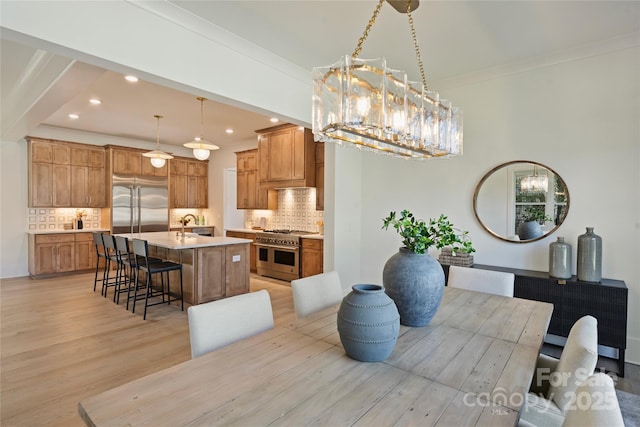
(366, 103)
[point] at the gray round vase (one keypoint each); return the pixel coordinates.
(589, 256)
(529, 230)
(368, 323)
(415, 282)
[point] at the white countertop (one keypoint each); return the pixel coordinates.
(168, 239)
(313, 236)
(58, 231)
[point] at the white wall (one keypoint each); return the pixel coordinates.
(580, 118)
(13, 209)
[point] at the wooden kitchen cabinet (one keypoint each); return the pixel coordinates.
(286, 157)
(311, 258)
(93, 157)
(88, 186)
(126, 162)
(248, 193)
(252, 247)
(49, 173)
(85, 252)
(319, 176)
(65, 174)
(51, 254)
(178, 191)
(188, 183)
(147, 169)
(61, 253)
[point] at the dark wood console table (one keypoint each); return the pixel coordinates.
(572, 299)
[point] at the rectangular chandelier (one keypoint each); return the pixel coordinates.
(365, 103)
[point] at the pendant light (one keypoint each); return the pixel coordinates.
(158, 157)
(201, 147)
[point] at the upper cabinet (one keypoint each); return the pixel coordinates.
(319, 176)
(249, 193)
(188, 183)
(286, 157)
(64, 174)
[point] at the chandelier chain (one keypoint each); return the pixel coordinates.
(365, 34)
(416, 46)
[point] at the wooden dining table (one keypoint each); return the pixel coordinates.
(472, 365)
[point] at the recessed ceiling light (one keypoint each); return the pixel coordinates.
(131, 78)
(274, 119)
(229, 131)
(95, 101)
(74, 116)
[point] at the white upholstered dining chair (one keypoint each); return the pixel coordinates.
(476, 279)
(555, 380)
(596, 404)
(314, 293)
(218, 323)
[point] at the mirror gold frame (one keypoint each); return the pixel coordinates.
(510, 167)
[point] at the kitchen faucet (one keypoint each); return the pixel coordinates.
(182, 221)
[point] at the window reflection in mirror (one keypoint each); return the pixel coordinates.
(521, 192)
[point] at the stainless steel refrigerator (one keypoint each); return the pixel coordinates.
(140, 204)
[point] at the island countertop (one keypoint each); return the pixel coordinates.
(169, 240)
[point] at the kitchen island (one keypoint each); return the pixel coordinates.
(212, 267)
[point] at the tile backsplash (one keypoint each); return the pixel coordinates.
(56, 218)
(296, 211)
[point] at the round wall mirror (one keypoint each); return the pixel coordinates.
(521, 201)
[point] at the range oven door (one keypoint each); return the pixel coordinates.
(280, 262)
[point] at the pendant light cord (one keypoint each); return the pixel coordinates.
(158, 132)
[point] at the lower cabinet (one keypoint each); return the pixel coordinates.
(85, 252)
(208, 273)
(52, 254)
(311, 258)
(252, 249)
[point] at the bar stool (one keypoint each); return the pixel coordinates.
(141, 250)
(100, 255)
(109, 248)
(126, 268)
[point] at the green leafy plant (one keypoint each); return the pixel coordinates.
(536, 215)
(418, 236)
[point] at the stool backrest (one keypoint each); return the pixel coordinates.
(109, 244)
(218, 323)
(97, 241)
(141, 248)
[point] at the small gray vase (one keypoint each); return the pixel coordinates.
(560, 259)
(415, 282)
(368, 323)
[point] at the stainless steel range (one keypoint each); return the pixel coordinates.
(278, 253)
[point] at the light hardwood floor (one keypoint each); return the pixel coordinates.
(60, 342)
